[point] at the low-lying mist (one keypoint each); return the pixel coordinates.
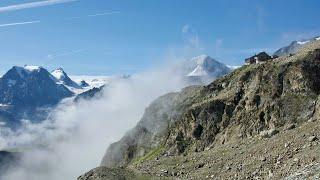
(75, 137)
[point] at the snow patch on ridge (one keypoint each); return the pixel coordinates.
(302, 42)
(26, 69)
(58, 73)
(198, 71)
(32, 68)
(93, 81)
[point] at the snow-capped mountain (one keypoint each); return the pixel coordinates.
(294, 47)
(203, 69)
(23, 90)
(63, 78)
(30, 86)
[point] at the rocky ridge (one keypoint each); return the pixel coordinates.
(222, 130)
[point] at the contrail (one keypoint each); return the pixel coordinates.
(19, 23)
(94, 15)
(35, 4)
(102, 14)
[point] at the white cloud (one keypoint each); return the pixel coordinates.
(185, 28)
(78, 134)
(19, 23)
(35, 4)
(191, 38)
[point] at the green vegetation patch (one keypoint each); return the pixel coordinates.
(150, 155)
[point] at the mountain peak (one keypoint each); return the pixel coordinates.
(59, 74)
(202, 59)
(25, 70)
(205, 66)
(32, 68)
(30, 86)
(62, 77)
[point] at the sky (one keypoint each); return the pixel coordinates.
(104, 37)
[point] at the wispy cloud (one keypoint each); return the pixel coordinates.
(185, 28)
(190, 36)
(33, 22)
(95, 15)
(19, 23)
(55, 55)
(35, 4)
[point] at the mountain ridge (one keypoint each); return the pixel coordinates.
(294, 46)
(253, 102)
(23, 90)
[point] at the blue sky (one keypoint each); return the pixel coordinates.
(103, 37)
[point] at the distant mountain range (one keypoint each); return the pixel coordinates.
(31, 86)
(199, 70)
(25, 90)
(30, 92)
(293, 47)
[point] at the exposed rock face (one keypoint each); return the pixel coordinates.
(91, 93)
(248, 101)
(83, 83)
(151, 130)
(260, 121)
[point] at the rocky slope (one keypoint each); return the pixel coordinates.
(150, 131)
(224, 130)
(95, 92)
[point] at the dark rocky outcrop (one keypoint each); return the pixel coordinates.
(8, 160)
(83, 83)
(95, 92)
